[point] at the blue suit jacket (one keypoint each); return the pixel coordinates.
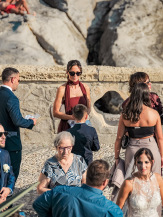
(86, 141)
(6, 179)
(11, 119)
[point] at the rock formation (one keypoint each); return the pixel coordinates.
(47, 39)
(111, 102)
(133, 34)
(97, 32)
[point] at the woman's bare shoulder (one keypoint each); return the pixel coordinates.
(128, 182)
(154, 113)
(158, 177)
(62, 88)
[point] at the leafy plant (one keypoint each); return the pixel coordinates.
(12, 200)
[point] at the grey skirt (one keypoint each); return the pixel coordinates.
(136, 144)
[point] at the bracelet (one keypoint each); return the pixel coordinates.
(116, 158)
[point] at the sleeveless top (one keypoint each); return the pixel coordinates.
(145, 198)
(140, 132)
(63, 125)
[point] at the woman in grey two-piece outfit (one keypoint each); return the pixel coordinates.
(142, 123)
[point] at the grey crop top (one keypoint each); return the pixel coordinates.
(140, 132)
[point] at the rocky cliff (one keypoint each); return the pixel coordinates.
(103, 32)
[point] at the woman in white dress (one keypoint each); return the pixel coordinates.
(144, 190)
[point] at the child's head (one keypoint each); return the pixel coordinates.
(80, 112)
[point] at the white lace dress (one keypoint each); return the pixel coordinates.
(145, 198)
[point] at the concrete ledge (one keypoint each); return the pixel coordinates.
(90, 73)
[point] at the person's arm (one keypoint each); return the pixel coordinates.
(96, 144)
(16, 116)
(10, 178)
(120, 134)
(159, 136)
(83, 181)
(124, 192)
(88, 97)
(43, 185)
(160, 183)
(43, 204)
(58, 103)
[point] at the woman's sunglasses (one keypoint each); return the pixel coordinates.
(72, 73)
(148, 82)
(3, 133)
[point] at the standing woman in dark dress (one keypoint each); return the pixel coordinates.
(70, 94)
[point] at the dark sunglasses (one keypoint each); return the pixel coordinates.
(5, 133)
(72, 73)
(148, 82)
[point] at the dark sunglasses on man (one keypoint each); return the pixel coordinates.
(72, 73)
(3, 133)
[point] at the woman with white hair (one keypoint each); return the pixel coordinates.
(64, 168)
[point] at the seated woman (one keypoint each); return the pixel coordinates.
(70, 94)
(64, 168)
(142, 123)
(144, 189)
(142, 77)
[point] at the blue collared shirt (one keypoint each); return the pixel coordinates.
(68, 201)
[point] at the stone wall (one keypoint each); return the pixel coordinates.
(37, 91)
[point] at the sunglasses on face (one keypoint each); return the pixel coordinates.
(148, 82)
(64, 148)
(3, 133)
(72, 73)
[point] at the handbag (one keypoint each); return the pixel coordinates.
(125, 142)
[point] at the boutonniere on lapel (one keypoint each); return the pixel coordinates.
(6, 168)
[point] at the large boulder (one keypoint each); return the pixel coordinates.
(96, 30)
(110, 102)
(49, 38)
(19, 45)
(133, 34)
(59, 37)
(80, 12)
(59, 4)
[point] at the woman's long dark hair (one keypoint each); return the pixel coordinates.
(138, 97)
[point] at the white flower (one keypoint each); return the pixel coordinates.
(6, 168)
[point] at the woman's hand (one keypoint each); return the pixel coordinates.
(161, 162)
(116, 162)
(4, 192)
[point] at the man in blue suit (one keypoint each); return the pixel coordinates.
(7, 178)
(11, 117)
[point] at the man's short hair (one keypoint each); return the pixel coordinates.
(7, 73)
(98, 171)
(79, 111)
